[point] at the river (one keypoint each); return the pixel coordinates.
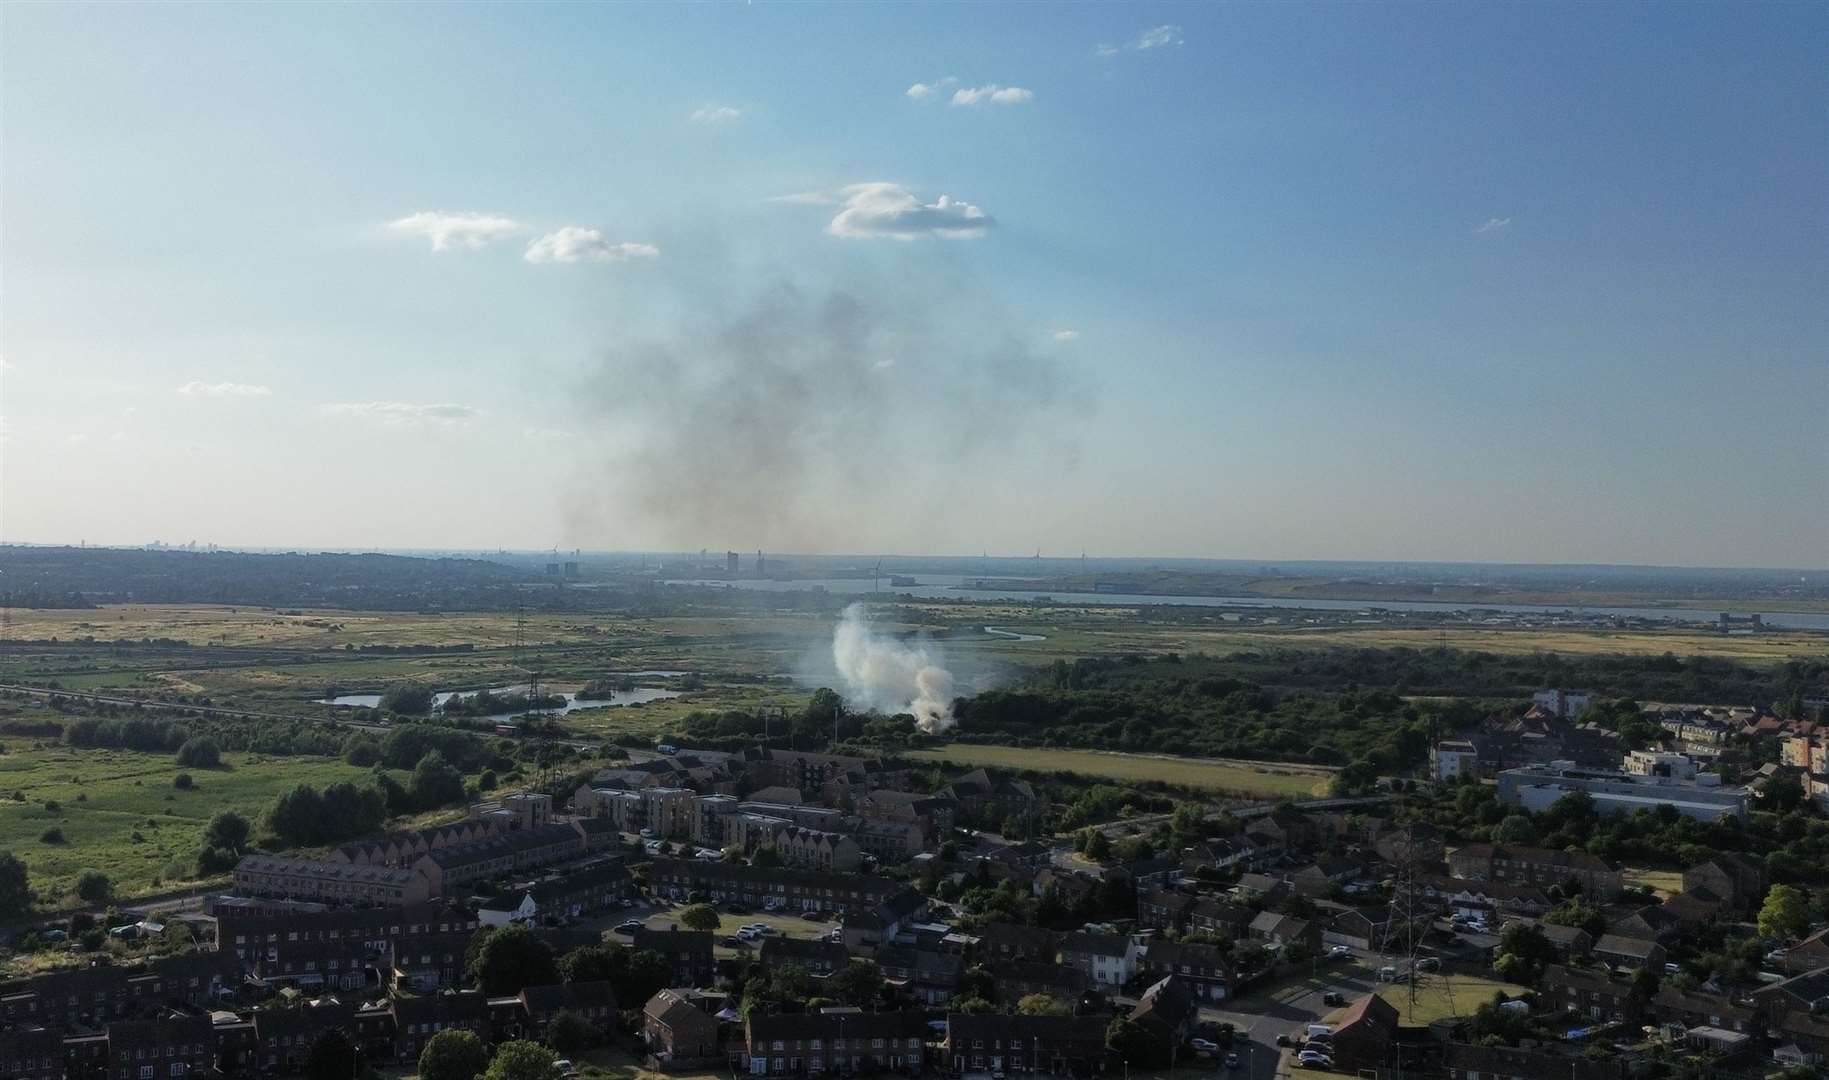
(958, 587)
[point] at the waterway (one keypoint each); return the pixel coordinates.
(572, 703)
(960, 587)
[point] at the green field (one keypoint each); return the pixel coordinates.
(106, 797)
(1439, 996)
(1243, 778)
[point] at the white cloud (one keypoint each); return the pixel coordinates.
(403, 412)
(922, 91)
(993, 94)
(464, 230)
(713, 115)
(197, 388)
(1168, 35)
(1493, 225)
(884, 364)
(1158, 37)
(575, 243)
(1066, 335)
(882, 209)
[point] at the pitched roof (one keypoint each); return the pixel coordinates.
(1371, 1010)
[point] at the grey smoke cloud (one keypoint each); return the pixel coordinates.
(887, 675)
(785, 423)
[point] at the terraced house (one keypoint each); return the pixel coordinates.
(798, 890)
(802, 1043)
(1054, 1045)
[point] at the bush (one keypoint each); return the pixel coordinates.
(200, 752)
(94, 888)
(52, 806)
(52, 835)
(183, 781)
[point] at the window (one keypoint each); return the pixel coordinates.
(146, 1072)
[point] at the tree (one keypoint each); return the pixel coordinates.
(362, 750)
(1785, 913)
(511, 959)
(1136, 1047)
(521, 1060)
(94, 888)
(200, 752)
(407, 698)
(569, 1032)
(1523, 952)
(860, 983)
(765, 856)
(1042, 1005)
(15, 887)
(1782, 793)
(227, 830)
(332, 1057)
(436, 782)
(587, 963)
(453, 1054)
(1515, 829)
(700, 917)
(1098, 846)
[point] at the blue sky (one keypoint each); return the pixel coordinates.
(1530, 283)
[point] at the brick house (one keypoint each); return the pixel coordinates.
(1589, 993)
(1365, 1035)
(677, 1032)
(161, 1050)
(796, 1044)
(1054, 1045)
(1535, 866)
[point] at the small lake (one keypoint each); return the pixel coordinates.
(637, 696)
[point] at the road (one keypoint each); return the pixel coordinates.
(1284, 1005)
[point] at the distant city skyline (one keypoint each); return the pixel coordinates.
(1539, 284)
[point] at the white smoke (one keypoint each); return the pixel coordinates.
(887, 675)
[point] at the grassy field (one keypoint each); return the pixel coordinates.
(106, 798)
(1438, 996)
(1253, 779)
(1663, 882)
(788, 925)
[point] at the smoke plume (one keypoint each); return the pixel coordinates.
(809, 422)
(887, 675)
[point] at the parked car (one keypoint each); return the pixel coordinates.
(1284, 1040)
(628, 926)
(736, 909)
(1232, 1060)
(1429, 963)
(733, 942)
(1204, 1046)
(564, 1067)
(1314, 1059)
(813, 916)
(1340, 950)
(1333, 997)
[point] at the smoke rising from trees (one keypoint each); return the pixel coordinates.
(887, 675)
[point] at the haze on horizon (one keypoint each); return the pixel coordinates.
(1537, 284)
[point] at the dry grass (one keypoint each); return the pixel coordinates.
(1202, 774)
(1663, 882)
